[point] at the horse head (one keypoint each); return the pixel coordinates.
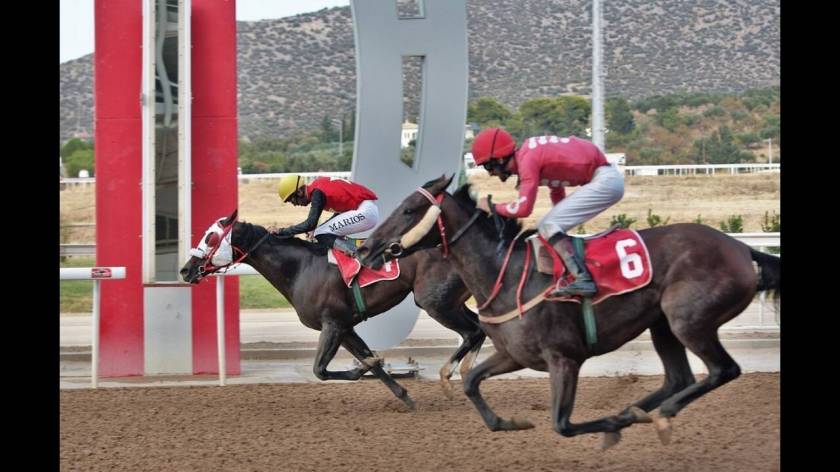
(213, 252)
(408, 228)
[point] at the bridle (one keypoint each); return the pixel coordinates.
(396, 248)
(208, 268)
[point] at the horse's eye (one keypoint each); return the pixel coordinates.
(408, 211)
(212, 239)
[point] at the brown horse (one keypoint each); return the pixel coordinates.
(300, 271)
(701, 279)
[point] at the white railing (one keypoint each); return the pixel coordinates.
(692, 169)
(77, 249)
(97, 274)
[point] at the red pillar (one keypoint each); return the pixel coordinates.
(118, 147)
(118, 132)
(214, 168)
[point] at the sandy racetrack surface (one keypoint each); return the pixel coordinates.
(360, 426)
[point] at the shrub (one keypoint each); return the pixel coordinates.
(733, 224)
(622, 221)
(654, 220)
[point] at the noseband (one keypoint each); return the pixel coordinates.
(207, 268)
(396, 248)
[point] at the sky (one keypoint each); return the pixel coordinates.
(76, 19)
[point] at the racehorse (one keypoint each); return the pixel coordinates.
(701, 279)
(300, 271)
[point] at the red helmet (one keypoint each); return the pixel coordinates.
(492, 143)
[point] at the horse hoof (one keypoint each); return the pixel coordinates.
(447, 389)
(610, 440)
(372, 362)
(521, 423)
(409, 403)
(663, 429)
(640, 415)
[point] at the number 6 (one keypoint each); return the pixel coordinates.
(628, 260)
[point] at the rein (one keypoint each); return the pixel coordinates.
(497, 287)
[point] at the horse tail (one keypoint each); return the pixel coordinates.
(769, 274)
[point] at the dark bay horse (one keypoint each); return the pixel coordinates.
(701, 279)
(300, 271)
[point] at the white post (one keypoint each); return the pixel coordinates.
(220, 326)
(770, 150)
(597, 79)
(94, 331)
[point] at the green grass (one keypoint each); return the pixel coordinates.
(256, 292)
(76, 295)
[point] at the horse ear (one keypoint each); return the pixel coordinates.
(230, 219)
(440, 184)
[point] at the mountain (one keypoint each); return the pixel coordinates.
(294, 71)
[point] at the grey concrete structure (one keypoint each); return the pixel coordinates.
(439, 35)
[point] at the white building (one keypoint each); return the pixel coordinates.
(409, 133)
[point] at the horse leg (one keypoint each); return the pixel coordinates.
(678, 373)
(722, 369)
(498, 363)
(356, 345)
(465, 323)
(328, 342)
(564, 377)
(694, 318)
(469, 359)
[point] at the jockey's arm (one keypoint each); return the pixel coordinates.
(524, 204)
(316, 207)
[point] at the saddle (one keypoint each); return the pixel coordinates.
(352, 270)
(617, 259)
(356, 276)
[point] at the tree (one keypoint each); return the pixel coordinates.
(80, 159)
(619, 117)
(72, 146)
(328, 131)
(563, 116)
(487, 112)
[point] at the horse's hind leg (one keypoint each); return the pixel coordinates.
(694, 317)
(722, 369)
(498, 363)
(353, 343)
(678, 373)
(328, 342)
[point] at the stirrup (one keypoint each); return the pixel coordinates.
(346, 246)
(581, 287)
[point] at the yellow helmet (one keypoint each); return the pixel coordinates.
(289, 185)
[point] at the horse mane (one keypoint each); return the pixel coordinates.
(253, 231)
(512, 226)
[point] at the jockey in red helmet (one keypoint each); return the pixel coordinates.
(554, 162)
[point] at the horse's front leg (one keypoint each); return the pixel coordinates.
(328, 342)
(356, 346)
(564, 377)
(498, 363)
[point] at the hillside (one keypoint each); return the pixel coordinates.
(294, 71)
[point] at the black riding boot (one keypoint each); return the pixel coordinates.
(338, 242)
(583, 284)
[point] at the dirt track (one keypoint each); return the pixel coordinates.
(360, 426)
